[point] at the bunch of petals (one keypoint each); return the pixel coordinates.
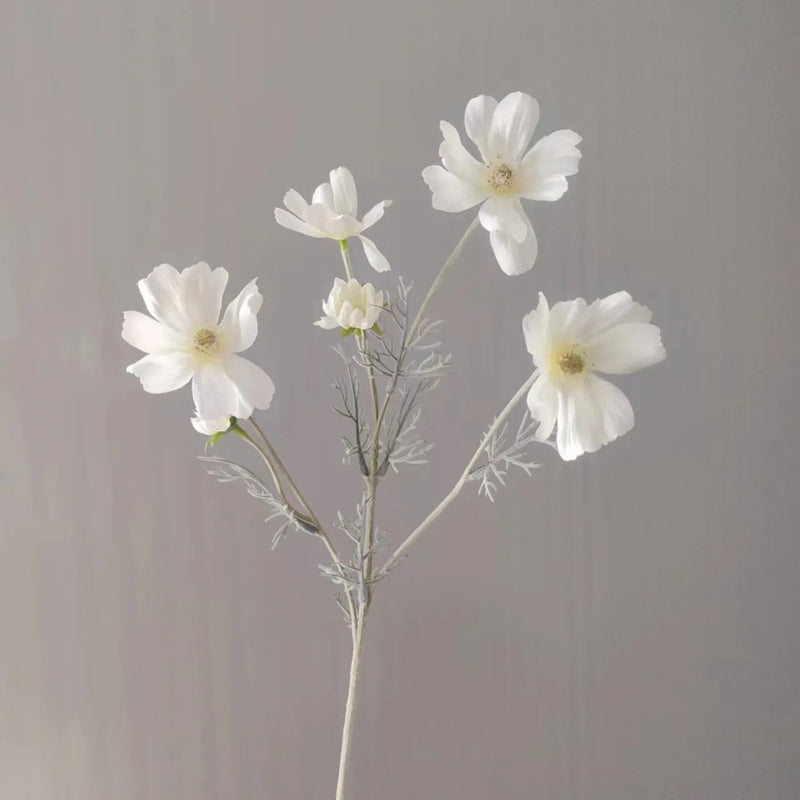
(569, 343)
(185, 340)
(333, 214)
(351, 306)
(506, 172)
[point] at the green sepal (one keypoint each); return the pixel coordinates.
(347, 332)
(234, 426)
(377, 329)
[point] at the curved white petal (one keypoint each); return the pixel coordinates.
(374, 214)
(478, 122)
(294, 201)
(209, 427)
(376, 259)
(254, 386)
(215, 394)
(536, 330)
(626, 348)
(593, 412)
(148, 334)
(345, 198)
(161, 293)
(566, 321)
(514, 257)
(240, 323)
(201, 293)
(333, 225)
(163, 372)
(543, 405)
(543, 170)
(616, 309)
(504, 214)
(327, 323)
(323, 195)
(450, 193)
(513, 123)
(293, 223)
(457, 159)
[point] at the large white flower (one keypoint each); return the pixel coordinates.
(569, 343)
(506, 172)
(185, 341)
(333, 214)
(351, 305)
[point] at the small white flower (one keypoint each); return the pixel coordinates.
(185, 341)
(502, 131)
(569, 343)
(209, 427)
(333, 214)
(351, 305)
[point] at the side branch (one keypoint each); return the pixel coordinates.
(465, 475)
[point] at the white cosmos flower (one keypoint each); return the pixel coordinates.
(210, 426)
(569, 343)
(186, 341)
(506, 172)
(351, 305)
(333, 214)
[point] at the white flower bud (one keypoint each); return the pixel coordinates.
(351, 305)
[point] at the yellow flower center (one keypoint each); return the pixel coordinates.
(206, 341)
(567, 362)
(501, 178)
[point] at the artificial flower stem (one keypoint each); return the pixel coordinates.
(434, 515)
(331, 548)
(350, 704)
(451, 259)
(348, 264)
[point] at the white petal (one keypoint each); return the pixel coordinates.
(450, 193)
(210, 426)
(163, 372)
(514, 257)
(457, 160)
(504, 214)
(543, 170)
(616, 309)
(333, 225)
(478, 122)
(160, 291)
(216, 395)
(323, 195)
(345, 199)
(327, 323)
(293, 223)
(593, 412)
(513, 123)
(255, 387)
(566, 320)
(536, 330)
(240, 324)
(543, 405)
(149, 335)
(376, 259)
(374, 214)
(294, 201)
(626, 348)
(201, 293)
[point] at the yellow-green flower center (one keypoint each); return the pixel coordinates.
(206, 341)
(572, 363)
(501, 178)
(567, 361)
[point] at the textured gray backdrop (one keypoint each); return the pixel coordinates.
(621, 628)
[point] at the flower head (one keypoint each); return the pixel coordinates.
(186, 341)
(569, 343)
(505, 174)
(333, 214)
(351, 306)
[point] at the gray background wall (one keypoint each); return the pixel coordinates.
(622, 628)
